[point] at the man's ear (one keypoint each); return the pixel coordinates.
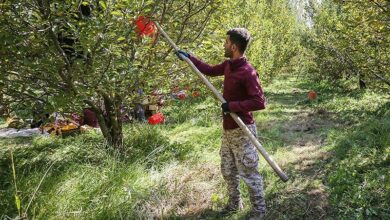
(234, 47)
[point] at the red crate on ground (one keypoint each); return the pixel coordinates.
(156, 119)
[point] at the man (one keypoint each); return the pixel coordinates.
(243, 94)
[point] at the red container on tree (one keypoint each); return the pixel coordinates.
(156, 119)
(145, 26)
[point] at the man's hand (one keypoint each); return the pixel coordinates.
(182, 53)
(225, 107)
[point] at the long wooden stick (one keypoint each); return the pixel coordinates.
(240, 123)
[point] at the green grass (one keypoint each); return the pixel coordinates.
(334, 149)
(358, 176)
(361, 182)
(2, 123)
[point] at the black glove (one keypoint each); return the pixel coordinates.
(182, 53)
(225, 107)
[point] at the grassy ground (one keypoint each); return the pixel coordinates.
(334, 149)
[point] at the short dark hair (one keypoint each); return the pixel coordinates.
(239, 37)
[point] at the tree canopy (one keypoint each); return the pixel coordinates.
(70, 54)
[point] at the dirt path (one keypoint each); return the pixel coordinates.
(303, 131)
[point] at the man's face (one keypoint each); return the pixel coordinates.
(228, 47)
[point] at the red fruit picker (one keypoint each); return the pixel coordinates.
(145, 26)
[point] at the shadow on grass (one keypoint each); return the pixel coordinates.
(358, 180)
(297, 129)
(285, 98)
(352, 172)
(304, 196)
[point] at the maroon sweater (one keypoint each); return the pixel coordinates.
(241, 88)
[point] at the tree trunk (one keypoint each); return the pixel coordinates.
(362, 83)
(114, 136)
(110, 120)
(113, 120)
(3, 105)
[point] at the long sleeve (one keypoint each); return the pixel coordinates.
(216, 70)
(256, 99)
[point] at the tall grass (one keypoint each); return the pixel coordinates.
(89, 180)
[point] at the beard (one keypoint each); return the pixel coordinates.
(228, 53)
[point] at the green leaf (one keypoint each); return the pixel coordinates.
(103, 4)
(214, 197)
(118, 13)
(17, 202)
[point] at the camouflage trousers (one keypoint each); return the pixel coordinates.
(239, 159)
